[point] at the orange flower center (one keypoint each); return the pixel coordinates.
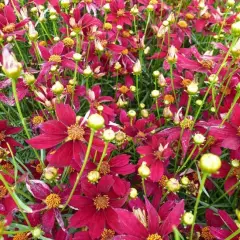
(163, 181)
(154, 237)
(107, 234)
(123, 89)
(20, 236)
(9, 28)
(69, 89)
(55, 58)
(104, 168)
(53, 201)
(225, 90)
(126, 34)
(2, 136)
(185, 82)
(120, 12)
(125, 51)
(210, 140)
(182, 24)
(206, 234)
(3, 153)
(207, 63)
(76, 132)
(68, 42)
(101, 202)
(39, 169)
(37, 120)
(3, 192)
(88, 1)
(169, 99)
(7, 167)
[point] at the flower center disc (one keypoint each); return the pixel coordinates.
(186, 123)
(55, 58)
(2, 136)
(53, 201)
(9, 28)
(101, 202)
(206, 234)
(3, 192)
(20, 236)
(107, 234)
(154, 237)
(37, 120)
(76, 132)
(104, 168)
(120, 12)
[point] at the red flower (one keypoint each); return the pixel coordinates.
(156, 154)
(149, 225)
(70, 133)
(97, 206)
(6, 139)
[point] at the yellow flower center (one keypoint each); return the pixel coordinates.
(101, 202)
(189, 16)
(123, 89)
(9, 28)
(104, 168)
(7, 166)
(107, 234)
(158, 154)
(3, 192)
(76, 132)
(20, 236)
(163, 181)
(182, 24)
(125, 51)
(169, 99)
(186, 123)
(88, 1)
(69, 89)
(2, 6)
(225, 90)
(126, 34)
(53, 201)
(68, 42)
(206, 234)
(55, 58)
(37, 120)
(153, 2)
(207, 63)
(3, 154)
(120, 12)
(154, 237)
(2, 136)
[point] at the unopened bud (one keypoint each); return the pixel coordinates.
(133, 193)
(57, 88)
(93, 176)
(144, 170)
(210, 163)
(108, 135)
(95, 121)
(173, 185)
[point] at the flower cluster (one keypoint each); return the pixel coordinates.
(120, 120)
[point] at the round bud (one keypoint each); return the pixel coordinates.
(65, 3)
(73, 34)
(56, 39)
(213, 109)
(93, 176)
(106, 7)
(235, 29)
(144, 113)
(117, 66)
(119, 27)
(57, 88)
(142, 105)
(165, 23)
(213, 78)
(36, 232)
(133, 193)
(95, 121)
(156, 73)
(235, 163)
(132, 113)
(53, 17)
(77, 57)
(29, 78)
(14, 71)
(210, 163)
(230, 3)
(167, 113)
(87, 71)
(133, 88)
(144, 170)
(173, 185)
(155, 93)
(33, 10)
(185, 181)
(41, 7)
(137, 69)
(146, 50)
(50, 173)
(9, 39)
(199, 102)
(100, 108)
(187, 218)
(192, 88)
(120, 137)
(198, 138)
(53, 68)
(108, 135)
(150, 8)
(134, 10)
(33, 35)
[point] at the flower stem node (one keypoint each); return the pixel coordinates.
(108, 135)
(198, 138)
(210, 163)
(95, 121)
(144, 170)
(133, 193)
(235, 29)
(57, 88)
(93, 176)
(187, 218)
(173, 185)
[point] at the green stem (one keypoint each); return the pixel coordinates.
(204, 178)
(20, 52)
(157, 109)
(172, 84)
(103, 155)
(82, 168)
(233, 235)
(144, 187)
(137, 90)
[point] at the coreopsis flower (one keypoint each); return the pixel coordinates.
(9, 25)
(156, 154)
(6, 140)
(141, 224)
(69, 135)
(52, 200)
(97, 206)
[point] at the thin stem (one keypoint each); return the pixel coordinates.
(103, 155)
(137, 90)
(82, 168)
(157, 109)
(144, 187)
(172, 83)
(233, 235)
(204, 178)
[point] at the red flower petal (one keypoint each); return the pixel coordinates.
(38, 189)
(65, 114)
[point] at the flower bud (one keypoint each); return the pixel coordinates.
(162, 81)
(133, 193)
(235, 29)
(199, 102)
(53, 17)
(117, 66)
(167, 113)
(156, 74)
(173, 185)
(133, 89)
(93, 176)
(144, 113)
(65, 3)
(33, 10)
(119, 27)
(87, 71)
(73, 34)
(165, 23)
(36, 232)
(108, 135)
(29, 78)
(230, 3)
(185, 181)
(106, 7)
(144, 170)
(53, 68)
(198, 138)
(57, 88)
(213, 109)
(213, 78)
(155, 93)
(146, 50)
(50, 173)
(142, 105)
(56, 39)
(150, 8)
(134, 10)
(187, 218)
(132, 113)
(192, 88)
(95, 121)
(210, 163)
(235, 163)
(77, 57)
(137, 69)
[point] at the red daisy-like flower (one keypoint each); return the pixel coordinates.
(97, 206)
(69, 133)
